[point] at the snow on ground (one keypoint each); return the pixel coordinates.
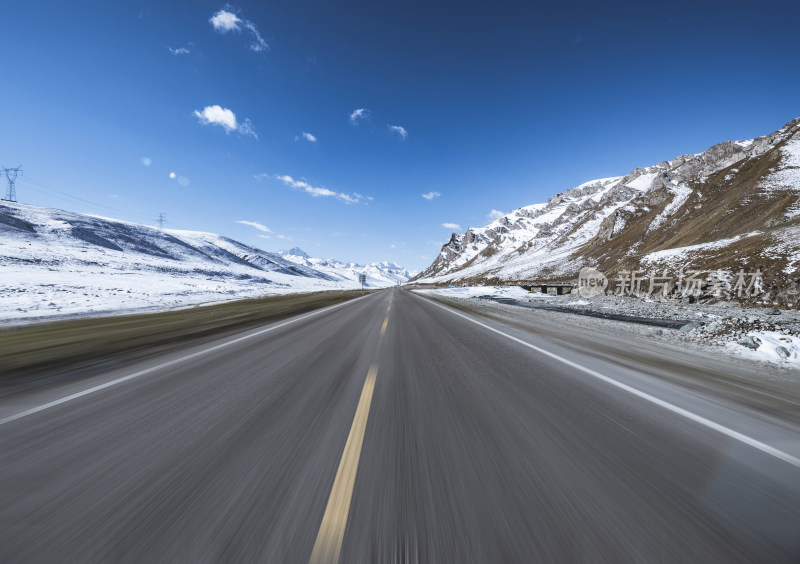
(680, 194)
(514, 292)
(57, 264)
(788, 174)
(600, 182)
(28, 294)
(643, 182)
(785, 244)
(679, 253)
(773, 347)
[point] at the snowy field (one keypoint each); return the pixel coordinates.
(56, 264)
(37, 294)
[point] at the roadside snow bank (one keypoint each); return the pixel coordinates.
(514, 292)
(772, 347)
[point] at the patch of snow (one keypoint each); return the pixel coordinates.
(681, 252)
(534, 207)
(643, 182)
(598, 181)
(788, 174)
(680, 194)
(793, 210)
(774, 347)
(514, 292)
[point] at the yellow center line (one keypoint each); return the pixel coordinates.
(331, 532)
(385, 323)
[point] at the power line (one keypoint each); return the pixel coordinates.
(11, 175)
(60, 194)
(66, 197)
(40, 186)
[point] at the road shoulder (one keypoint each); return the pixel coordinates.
(769, 389)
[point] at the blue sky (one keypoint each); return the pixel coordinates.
(480, 105)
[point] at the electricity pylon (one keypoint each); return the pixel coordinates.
(11, 175)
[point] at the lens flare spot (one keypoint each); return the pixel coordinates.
(146, 161)
(183, 181)
(172, 175)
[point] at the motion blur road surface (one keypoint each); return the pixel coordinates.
(393, 429)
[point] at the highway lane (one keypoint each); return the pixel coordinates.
(390, 429)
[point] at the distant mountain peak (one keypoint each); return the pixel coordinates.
(379, 274)
(295, 252)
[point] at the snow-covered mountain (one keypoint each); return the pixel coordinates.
(54, 262)
(736, 205)
(379, 274)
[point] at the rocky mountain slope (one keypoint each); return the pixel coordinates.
(379, 274)
(734, 207)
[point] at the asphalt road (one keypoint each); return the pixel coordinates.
(391, 429)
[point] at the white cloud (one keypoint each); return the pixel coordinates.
(265, 236)
(392, 246)
(224, 21)
(431, 195)
(495, 214)
(225, 118)
(317, 192)
(255, 224)
(179, 51)
(453, 226)
(400, 130)
(308, 137)
(360, 113)
(258, 43)
(246, 128)
(217, 115)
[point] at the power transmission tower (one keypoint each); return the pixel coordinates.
(162, 219)
(11, 175)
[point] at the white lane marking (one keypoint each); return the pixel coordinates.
(86, 392)
(794, 461)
